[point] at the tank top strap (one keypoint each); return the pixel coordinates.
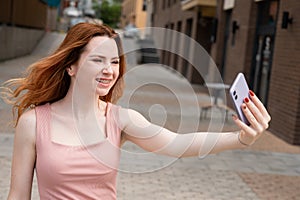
(113, 123)
(43, 117)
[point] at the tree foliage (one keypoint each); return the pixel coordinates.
(109, 12)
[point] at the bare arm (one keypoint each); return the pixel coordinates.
(162, 141)
(24, 156)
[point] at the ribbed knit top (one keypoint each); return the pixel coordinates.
(77, 172)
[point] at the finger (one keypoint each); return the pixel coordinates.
(260, 106)
(256, 113)
(251, 119)
(247, 129)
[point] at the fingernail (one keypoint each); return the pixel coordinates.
(246, 100)
(234, 117)
(244, 106)
(251, 93)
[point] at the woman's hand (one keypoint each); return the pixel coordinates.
(258, 118)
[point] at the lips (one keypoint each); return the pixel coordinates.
(104, 81)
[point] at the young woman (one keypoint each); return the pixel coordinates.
(69, 130)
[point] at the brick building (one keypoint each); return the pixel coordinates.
(195, 22)
(260, 38)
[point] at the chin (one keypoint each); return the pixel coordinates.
(102, 92)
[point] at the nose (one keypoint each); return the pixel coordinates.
(107, 69)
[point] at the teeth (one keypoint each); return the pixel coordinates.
(102, 80)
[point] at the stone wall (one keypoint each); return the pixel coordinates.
(17, 41)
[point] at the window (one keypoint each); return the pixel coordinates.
(144, 5)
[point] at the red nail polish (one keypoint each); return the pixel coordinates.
(244, 107)
(246, 100)
(234, 117)
(251, 93)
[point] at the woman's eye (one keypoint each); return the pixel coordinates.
(98, 60)
(115, 62)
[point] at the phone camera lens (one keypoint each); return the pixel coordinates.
(235, 97)
(234, 92)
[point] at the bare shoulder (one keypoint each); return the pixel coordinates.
(28, 118)
(124, 117)
(130, 117)
(26, 127)
(127, 113)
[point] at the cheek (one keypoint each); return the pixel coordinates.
(116, 72)
(87, 70)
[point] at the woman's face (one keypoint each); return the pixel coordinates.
(98, 66)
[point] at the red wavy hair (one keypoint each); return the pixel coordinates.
(47, 81)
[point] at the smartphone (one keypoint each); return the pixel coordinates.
(239, 90)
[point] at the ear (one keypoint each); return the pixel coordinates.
(71, 70)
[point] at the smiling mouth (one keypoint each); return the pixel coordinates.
(104, 81)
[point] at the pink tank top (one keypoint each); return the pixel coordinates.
(77, 172)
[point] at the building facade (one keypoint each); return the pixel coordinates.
(22, 25)
(134, 12)
(194, 21)
(260, 38)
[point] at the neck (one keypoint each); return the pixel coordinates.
(80, 105)
(84, 110)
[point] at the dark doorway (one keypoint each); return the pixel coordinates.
(228, 15)
(263, 49)
(203, 31)
(186, 51)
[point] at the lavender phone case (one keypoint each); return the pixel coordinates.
(239, 90)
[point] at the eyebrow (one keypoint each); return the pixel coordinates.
(100, 56)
